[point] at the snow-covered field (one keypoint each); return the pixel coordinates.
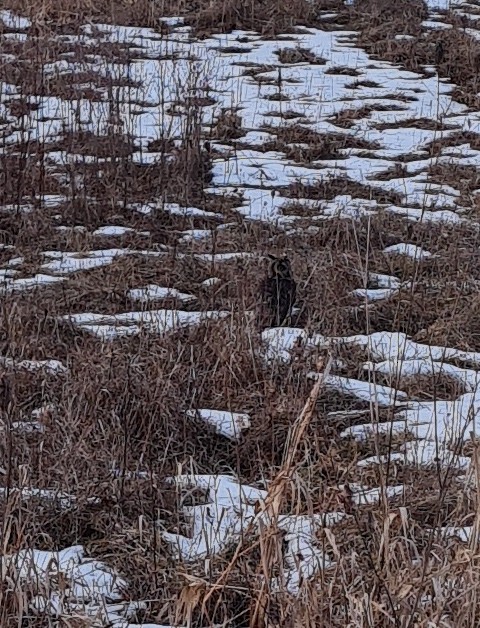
(145, 173)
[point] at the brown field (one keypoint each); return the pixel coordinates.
(105, 140)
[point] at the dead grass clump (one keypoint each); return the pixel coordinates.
(456, 324)
(26, 72)
(459, 138)
(304, 145)
(77, 85)
(358, 84)
(122, 181)
(114, 178)
(145, 420)
(328, 190)
(427, 388)
(322, 302)
(21, 107)
(341, 70)
(397, 171)
(331, 142)
(298, 55)
(463, 178)
(405, 312)
(292, 208)
(379, 24)
(268, 18)
(346, 119)
(256, 69)
(95, 145)
(67, 18)
(19, 229)
(227, 126)
(454, 53)
(287, 114)
(277, 96)
(451, 46)
(25, 176)
(416, 123)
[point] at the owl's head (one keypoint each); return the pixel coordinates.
(280, 267)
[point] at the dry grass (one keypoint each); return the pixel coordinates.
(124, 403)
(299, 55)
(453, 52)
(269, 17)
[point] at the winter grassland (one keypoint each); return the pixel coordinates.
(163, 461)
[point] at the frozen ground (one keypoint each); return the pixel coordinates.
(147, 174)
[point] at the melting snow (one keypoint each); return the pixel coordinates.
(230, 510)
(385, 345)
(153, 292)
(364, 391)
(421, 453)
(109, 327)
(62, 499)
(50, 366)
(408, 250)
(115, 230)
(362, 496)
(66, 263)
(211, 281)
(229, 424)
(74, 587)
(28, 283)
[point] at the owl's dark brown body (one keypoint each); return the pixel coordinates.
(279, 292)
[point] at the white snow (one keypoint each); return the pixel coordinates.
(468, 378)
(15, 261)
(313, 91)
(66, 263)
(117, 230)
(73, 587)
(364, 391)
(227, 511)
(71, 229)
(423, 454)
(61, 499)
(230, 511)
(385, 345)
(211, 281)
(229, 424)
(52, 367)
(408, 250)
(362, 496)
(462, 533)
(372, 294)
(279, 342)
(192, 235)
(109, 327)
(438, 426)
(29, 283)
(13, 20)
(177, 210)
(27, 427)
(152, 292)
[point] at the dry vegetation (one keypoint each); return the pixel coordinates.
(123, 404)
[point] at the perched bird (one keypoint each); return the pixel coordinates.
(279, 291)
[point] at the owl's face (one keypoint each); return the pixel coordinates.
(280, 267)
